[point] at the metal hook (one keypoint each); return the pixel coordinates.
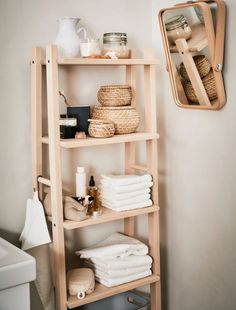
(65, 100)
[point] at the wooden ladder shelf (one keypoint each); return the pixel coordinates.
(54, 143)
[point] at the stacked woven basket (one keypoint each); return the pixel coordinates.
(115, 116)
(205, 71)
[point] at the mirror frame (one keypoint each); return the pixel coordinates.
(215, 39)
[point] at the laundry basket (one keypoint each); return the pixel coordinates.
(125, 301)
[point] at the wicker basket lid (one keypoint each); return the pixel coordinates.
(104, 87)
(114, 108)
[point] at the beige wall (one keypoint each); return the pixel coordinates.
(198, 173)
(25, 24)
(197, 148)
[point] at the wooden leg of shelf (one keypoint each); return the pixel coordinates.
(153, 224)
(155, 296)
(55, 178)
(36, 116)
(152, 166)
(150, 93)
(131, 78)
(153, 218)
(129, 226)
(130, 149)
(151, 149)
(150, 124)
(154, 250)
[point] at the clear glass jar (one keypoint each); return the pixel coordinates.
(177, 28)
(115, 45)
(90, 47)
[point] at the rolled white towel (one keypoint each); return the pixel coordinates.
(110, 194)
(125, 179)
(117, 281)
(116, 245)
(125, 189)
(116, 273)
(118, 263)
(121, 203)
(134, 206)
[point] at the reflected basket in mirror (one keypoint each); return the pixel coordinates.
(202, 64)
(209, 84)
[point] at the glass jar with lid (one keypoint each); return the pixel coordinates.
(115, 45)
(177, 28)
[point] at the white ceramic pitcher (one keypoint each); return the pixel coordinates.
(68, 40)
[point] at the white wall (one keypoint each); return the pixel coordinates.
(197, 148)
(197, 192)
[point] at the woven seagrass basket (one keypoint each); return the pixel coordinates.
(209, 84)
(125, 119)
(202, 64)
(114, 95)
(101, 128)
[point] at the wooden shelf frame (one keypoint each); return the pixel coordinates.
(132, 137)
(55, 181)
(103, 291)
(108, 215)
(105, 62)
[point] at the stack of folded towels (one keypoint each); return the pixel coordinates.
(118, 259)
(125, 192)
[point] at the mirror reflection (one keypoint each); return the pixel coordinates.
(189, 34)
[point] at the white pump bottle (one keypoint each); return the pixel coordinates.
(80, 182)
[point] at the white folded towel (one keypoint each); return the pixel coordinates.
(110, 194)
(117, 245)
(121, 203)
(125, 189)
(140, 205)
(117, 281)
(117, 273)
(125, 179)
(131, 261)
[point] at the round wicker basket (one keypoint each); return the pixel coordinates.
(209, 84)
(101, 128)
(125, 119)
(114, 95)
(202, 64)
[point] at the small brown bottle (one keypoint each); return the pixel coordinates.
(93, 192)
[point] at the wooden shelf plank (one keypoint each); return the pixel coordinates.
(102, 291)
(132, 137)
(109, 215)
(198, 40)
(106, 62)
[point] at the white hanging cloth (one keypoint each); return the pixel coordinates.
(35, 239)
(35, 231)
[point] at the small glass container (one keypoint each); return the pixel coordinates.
(90, 47)
(67, 126)
(177, 28)
(115, 45)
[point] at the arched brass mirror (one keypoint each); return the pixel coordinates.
(193, 38)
